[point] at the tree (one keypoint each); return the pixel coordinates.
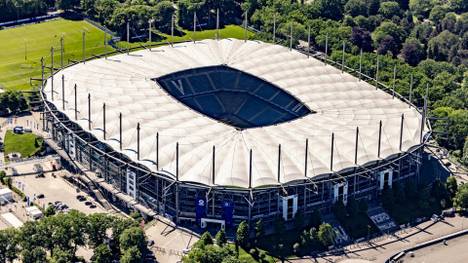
(389, 9)
(386, 29)
(210, 254)
(452, 186)
(62, 256)
(67, 4)
(220, 237)
(36, 255)
(259, 231)
(132, 237)
(413, 51)
(50, 210)
(464, 158)
(242, 234)
(205, 240)
(441, 46)
(326, 234)
(461, 198)
(421, 7)
(387, 45)
(331, 9)
(362, 39)
(315, 218)
(356, 8)
(96, 227)
(131, 255)
(102, 254)
(437, 13)
(8, 244)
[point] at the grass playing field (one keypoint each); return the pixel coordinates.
(25, 144)
(22, 48)
(229, 31)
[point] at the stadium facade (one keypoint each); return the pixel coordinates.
(220, 131)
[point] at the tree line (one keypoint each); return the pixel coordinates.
(12, 102)
(19, 9)
(56, 238)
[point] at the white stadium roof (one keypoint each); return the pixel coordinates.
(341, 103)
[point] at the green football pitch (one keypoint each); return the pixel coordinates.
(21, 49)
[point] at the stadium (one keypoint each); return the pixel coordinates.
(220, 131)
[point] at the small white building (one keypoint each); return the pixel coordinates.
(12, 220)
(6, 195)
(34, 213)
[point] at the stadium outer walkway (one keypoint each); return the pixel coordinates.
(382, 248)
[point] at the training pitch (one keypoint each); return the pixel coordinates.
(22, 48)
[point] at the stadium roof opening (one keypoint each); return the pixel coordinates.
(232, 96)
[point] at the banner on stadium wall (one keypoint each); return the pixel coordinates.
(228, 212)
(200, 208)
(71, 145)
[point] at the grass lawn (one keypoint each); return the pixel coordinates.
(230, 31)
(22, 143)
(35, 40)
(245, 256)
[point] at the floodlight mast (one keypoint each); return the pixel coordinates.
(138, 141)
(377, 74)
(42, 73)
(172, 30)
(149, 30)
(290, 37)
(360, 64)
(213, 166)
(128, 37)
(332, 150)
(104, 120)
(306, 156)
(380, 139)
(279, 163)
(411, 90)
(308, 42)
(83, 39)
(245, 26)
(274, 28)
(52, 73)
(326, 49)
(63, 92)
(250, 169)
(89, 111)
(217, 23)
(61, 51)
(194, 25)
(394, 80)
(423, 117)
(120, 130)
(356, 146)
(343, 57)
(76, 103)
(401, 131)
(157, 151)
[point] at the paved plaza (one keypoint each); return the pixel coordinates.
(55, 189)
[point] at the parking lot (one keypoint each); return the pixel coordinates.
(55, 189)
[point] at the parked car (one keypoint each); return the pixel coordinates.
(80, 198)
(40, 196)
(18, 129)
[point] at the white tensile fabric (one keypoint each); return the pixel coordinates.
(341, 102)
